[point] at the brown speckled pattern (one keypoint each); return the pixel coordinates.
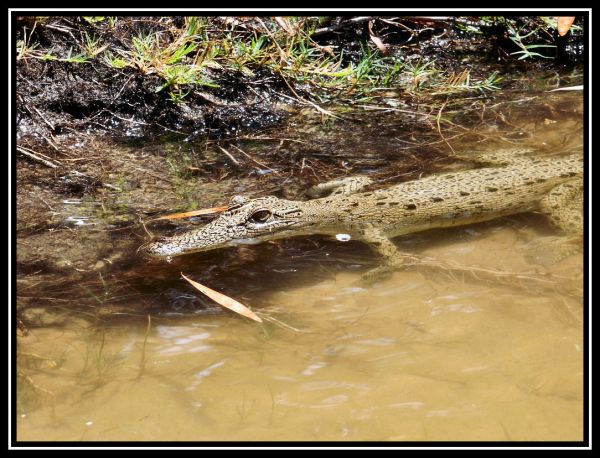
(451, 199)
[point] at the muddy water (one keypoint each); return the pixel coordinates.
(127, 351)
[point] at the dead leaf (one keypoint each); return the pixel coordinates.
(328, 50)
(380, 44)
(563, 24)
(224, 301)
(204, 211)
(286, 25)
(230, 20)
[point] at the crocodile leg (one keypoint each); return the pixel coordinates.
(341, 187)
(392, 258)
(564, 207)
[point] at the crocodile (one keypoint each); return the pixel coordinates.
(510, 182)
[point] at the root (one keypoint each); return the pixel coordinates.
(526, 280)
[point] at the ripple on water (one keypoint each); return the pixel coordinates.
(201, 375)
(182, 339)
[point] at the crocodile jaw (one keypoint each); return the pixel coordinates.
(209, 237)
(234, 227)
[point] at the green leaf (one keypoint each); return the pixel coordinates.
(92, 19)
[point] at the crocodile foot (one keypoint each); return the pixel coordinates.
(375, 275)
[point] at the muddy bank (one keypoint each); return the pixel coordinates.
(65, 92)
(143, 77)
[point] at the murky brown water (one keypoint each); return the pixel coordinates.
(425, 355)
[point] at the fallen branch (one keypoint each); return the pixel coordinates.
(446, 20)
(341, 25)
(255, 161)
(35, 156)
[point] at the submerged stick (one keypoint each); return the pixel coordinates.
(228, 154)
(204, 211)
(492, 275)
(256, 161)
(143, 358)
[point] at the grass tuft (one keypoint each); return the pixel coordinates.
(199, 50)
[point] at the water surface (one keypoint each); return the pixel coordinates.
(121, 348)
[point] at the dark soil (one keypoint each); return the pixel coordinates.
(59, 99)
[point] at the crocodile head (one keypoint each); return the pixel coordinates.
(244, 222)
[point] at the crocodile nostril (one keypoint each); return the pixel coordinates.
(237, 201)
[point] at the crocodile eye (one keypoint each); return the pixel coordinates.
(260, 216)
